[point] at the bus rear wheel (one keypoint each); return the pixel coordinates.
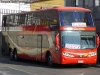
(49, 60)
(11, 55)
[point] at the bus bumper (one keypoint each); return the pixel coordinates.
(91, 60)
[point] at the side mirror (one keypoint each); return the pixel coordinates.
(97, 40)
(57, 42)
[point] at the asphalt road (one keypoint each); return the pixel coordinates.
(26, 67)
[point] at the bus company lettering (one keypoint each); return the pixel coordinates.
(78, 28)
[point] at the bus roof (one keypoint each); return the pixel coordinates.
(56, 8)
(73, 9)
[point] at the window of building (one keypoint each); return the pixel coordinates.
(96, 2)
(86, 3)
(80, 3)
(90, 3)
(77, 2)
(65, 2)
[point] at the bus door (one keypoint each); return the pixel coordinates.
(39, 47)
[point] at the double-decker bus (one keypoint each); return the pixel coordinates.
(61, 35)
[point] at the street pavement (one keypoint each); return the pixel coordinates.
(27, 67)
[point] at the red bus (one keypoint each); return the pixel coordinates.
(61, 35)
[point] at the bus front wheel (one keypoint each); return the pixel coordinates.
(49, 60)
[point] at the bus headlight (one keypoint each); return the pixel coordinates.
(67, 54)
(92, 54)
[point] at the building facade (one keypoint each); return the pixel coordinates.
(46, 4)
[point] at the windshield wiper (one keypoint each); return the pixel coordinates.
(87, 41)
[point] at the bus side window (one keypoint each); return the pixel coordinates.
(44, 17)
(22, 19)
(33, 19)
(7, 21)
(4, 21)
(29, 17)
(44, 20)
(26, 19)
(11, 18)
(53, 20)
(16, 20)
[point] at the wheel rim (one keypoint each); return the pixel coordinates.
(11, 55)
(15, 56)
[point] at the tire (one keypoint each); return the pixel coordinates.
(11, 55)
(16, 58)
(49, 60)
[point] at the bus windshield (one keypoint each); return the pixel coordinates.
(78, 39)
(67, 18)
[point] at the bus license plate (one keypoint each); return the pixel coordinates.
(80, 61)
